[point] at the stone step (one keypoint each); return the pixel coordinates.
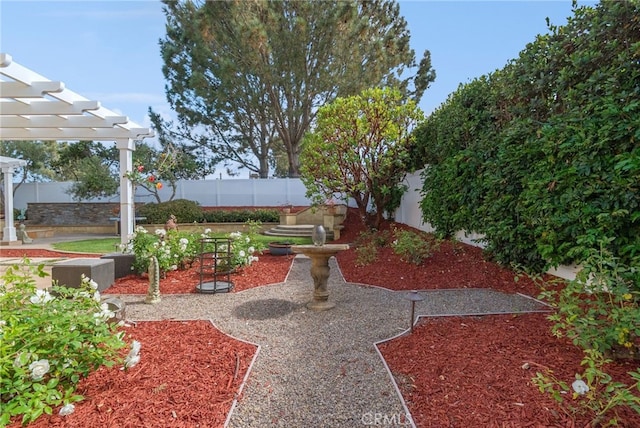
(294, 230)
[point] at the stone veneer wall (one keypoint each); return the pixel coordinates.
(61, 214)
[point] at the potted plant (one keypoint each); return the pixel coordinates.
(286, 208)
(280, 248)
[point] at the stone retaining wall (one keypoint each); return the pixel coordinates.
(70, 214)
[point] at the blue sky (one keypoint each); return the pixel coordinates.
(108, 50)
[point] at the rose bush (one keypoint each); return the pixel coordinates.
(49, 340)
(178, 250)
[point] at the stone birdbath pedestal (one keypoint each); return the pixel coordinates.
(320, 255)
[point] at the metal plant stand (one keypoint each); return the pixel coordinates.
(215, 266)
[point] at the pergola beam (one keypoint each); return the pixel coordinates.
(71, 134)
(33, 107)
(34, 90)
(50, 121)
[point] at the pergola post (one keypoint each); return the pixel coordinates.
(127, 208)
(9, 230)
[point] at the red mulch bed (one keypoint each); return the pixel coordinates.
(453, 372)
(188, 376)
(476, 372)
(267, 270)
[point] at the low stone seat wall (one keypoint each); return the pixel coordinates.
(69, 272)
(122, 263)
(40, 233)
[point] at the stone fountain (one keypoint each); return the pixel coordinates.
(320, 255)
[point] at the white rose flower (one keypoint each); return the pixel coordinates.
(135, 348)
(67, 409)
(104, 315)
(131, 361)
(39, 369)
(580, 387)
(41, 297)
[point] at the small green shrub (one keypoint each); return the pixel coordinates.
(413, 247)
(367, 245)
(185, 211)
(593, 393)
(600, 309)
(600, 312)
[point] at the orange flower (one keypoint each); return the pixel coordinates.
(158, 185)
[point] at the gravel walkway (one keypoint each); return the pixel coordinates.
(320, 369)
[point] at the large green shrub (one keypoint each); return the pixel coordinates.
(185, 211)
(360, 149)
(543, 156)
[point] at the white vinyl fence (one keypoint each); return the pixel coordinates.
(209, 193)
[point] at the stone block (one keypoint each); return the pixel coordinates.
(69, 272)
(122, 263)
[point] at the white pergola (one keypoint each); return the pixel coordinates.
(33, 107)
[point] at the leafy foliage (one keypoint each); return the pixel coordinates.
(185, 211)
(241, 216)
(600, 309)
(176, 250)
(367, 245)
(593, 393)
(600, 312)
(252, 75)
(413, 247)
(360, 148)
(92, 167)
(543, 156)
(49, 340)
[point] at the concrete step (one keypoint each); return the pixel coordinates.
(294, 230)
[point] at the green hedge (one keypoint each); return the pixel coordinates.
(241, 216)
(185, 211)
(543, 156)
(189, 212)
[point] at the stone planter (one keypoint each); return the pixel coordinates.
(280, 248)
